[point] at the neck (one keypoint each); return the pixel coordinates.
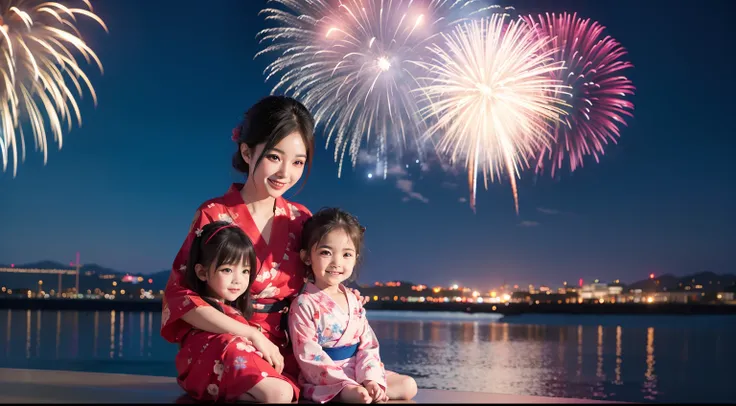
(214, 297)
(329, 289)
(256, 204)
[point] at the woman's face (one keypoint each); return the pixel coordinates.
(281, 167)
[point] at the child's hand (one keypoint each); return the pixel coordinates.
(361, 299)
(376, 392)
(269, 350)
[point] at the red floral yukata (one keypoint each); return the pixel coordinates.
(281, 275)
(221, 367)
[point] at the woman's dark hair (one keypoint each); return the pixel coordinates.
(221, 243)
(327, 220)
(268, 122)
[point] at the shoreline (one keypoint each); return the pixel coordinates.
(507, 310)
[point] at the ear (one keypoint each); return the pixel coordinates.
(246, 153)
(304, 255)
(201, 272)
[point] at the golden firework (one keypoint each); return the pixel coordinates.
(36, 60)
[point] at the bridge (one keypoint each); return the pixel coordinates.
(59, 272)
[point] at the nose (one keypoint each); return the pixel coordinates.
(282, 169)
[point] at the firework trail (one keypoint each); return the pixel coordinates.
(36, 39)
(493, 98)
(597, 95)
(353, 64)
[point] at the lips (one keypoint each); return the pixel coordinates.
(276, 184)
(234, 290)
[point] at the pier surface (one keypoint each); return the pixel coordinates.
(49, 386)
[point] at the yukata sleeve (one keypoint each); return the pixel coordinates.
(368, 365)
(178, 299)
(316, 366)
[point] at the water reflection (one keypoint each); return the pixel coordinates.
(619, 358)
(7, 334)
(150, 331)
(96, 322)
(649, 388)
(579, 369)
(58, 332)
(583, 360)
(120, 334)
(112, 334)
(28, 334)
(38, 332)
(141, 330)
(75, 337)
(599, 351)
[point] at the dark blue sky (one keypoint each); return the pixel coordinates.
(179, 75)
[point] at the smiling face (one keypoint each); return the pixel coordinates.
(332, 259)
(226, 282)
(281, 167)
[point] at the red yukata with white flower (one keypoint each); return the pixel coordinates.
(281, 273)
(220, 367)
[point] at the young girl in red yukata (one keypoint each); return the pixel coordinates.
(275, 143)
(223, 367)
(335, 346)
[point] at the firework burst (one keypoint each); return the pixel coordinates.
(36, 39)
(353, 63)
(492, 97)
(597, 95)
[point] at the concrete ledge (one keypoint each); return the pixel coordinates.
(48, 386)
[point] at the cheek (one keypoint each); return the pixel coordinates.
(319, 263)
(264, 170)
(297, 171)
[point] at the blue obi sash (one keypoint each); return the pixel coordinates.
(341, 353)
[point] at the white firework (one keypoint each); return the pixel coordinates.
(354, 64)
(493, 99)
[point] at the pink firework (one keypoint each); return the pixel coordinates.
(597, 93)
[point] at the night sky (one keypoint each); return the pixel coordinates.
(179, 75)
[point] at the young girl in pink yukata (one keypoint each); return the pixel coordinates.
(224, 367)
(334, 345)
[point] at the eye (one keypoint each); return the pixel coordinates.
(299, 163)
(273, 157)
(246, 271)
(348, 255)
(226, 270)
(325, 253)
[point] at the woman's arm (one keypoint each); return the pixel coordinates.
(207, 318)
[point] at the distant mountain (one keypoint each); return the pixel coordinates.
(39, 265)
(91, 276)
(651, 285)
(710, 282)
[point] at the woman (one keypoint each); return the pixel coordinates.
(275, 144)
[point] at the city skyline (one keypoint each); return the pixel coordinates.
(111, 275)
(125, 186)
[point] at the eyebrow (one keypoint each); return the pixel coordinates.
(284, 153)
